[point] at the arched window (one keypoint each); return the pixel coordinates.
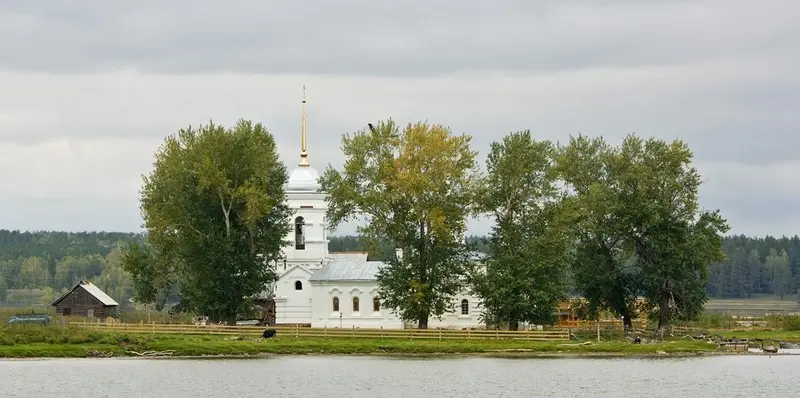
(299, 233)
(464, 307)
(298, 285)
(355, 304)
(335, 304)
(376, 304)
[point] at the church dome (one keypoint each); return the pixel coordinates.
(303, 178)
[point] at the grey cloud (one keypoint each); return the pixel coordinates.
(721, 75)
(384, 37)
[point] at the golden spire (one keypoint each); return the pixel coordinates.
(303, 153)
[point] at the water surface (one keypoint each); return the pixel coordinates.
(309, 376)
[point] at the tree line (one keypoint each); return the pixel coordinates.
(56, 261)
(612, 223)
(52, 262)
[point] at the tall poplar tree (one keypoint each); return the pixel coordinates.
(414, 188)
(674, 240)
(215, 215)
(605, 270)
(525, 276)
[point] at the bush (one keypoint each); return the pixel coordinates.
(790, 322)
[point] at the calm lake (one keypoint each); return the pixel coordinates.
(308, 376)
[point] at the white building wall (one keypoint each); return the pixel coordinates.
(324, 315)
(456, 319)
(293, 306)
(312, 207)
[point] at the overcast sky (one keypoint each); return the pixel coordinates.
(89, 89)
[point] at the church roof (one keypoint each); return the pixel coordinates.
(303, 179)
(348, 270)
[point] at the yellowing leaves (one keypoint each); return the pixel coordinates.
(415, 187)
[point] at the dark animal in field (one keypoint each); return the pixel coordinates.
(269, 333)
(637, 340)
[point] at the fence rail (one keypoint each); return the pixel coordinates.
(305, 332)
(604, 323)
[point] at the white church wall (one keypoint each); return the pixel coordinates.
(312, 207)
(324, 314)
(293, 305)
(457, 318)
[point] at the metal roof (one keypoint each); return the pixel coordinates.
(91, 289)
(351, 256)
(348, 270)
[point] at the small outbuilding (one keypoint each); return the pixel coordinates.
(85, 299)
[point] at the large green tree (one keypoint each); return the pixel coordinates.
(215, 216)
(414, 187)
(674, 241)
(605, 270)
(525, 276)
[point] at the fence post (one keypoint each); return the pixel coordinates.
(598, 331)
(354, 331)
(381, 331)
(325, 332)
(440, 334)
(296, 330)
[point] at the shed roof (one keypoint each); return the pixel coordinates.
(348, 270)
(91, 289)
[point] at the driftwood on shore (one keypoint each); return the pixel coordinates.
(153, 353)
(575, 344)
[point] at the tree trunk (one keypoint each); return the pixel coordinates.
(232, 321)
(664, 312)
(627, 322)
(423, 322)
(513, 325)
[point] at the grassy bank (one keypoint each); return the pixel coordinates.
(30, 342)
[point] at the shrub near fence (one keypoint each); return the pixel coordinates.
(303, 332)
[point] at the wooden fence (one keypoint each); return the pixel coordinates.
(305, 332)
(604, 323)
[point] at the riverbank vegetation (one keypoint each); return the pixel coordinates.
(22, 341)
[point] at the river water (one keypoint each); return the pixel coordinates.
(309, 376)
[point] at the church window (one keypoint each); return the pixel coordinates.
(298, 285)
(355, 304)
(299, 233)
(376, 304)
(464, 307)
(335, 304)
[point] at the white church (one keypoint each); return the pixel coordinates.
(336, 290)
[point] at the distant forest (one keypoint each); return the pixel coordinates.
(51, 262)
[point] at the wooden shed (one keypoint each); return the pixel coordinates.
(85, 299)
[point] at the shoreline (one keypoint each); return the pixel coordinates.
(442, 355)
(43, 351)
(71, 342)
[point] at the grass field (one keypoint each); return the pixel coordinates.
(68, 341)
(71, 341)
